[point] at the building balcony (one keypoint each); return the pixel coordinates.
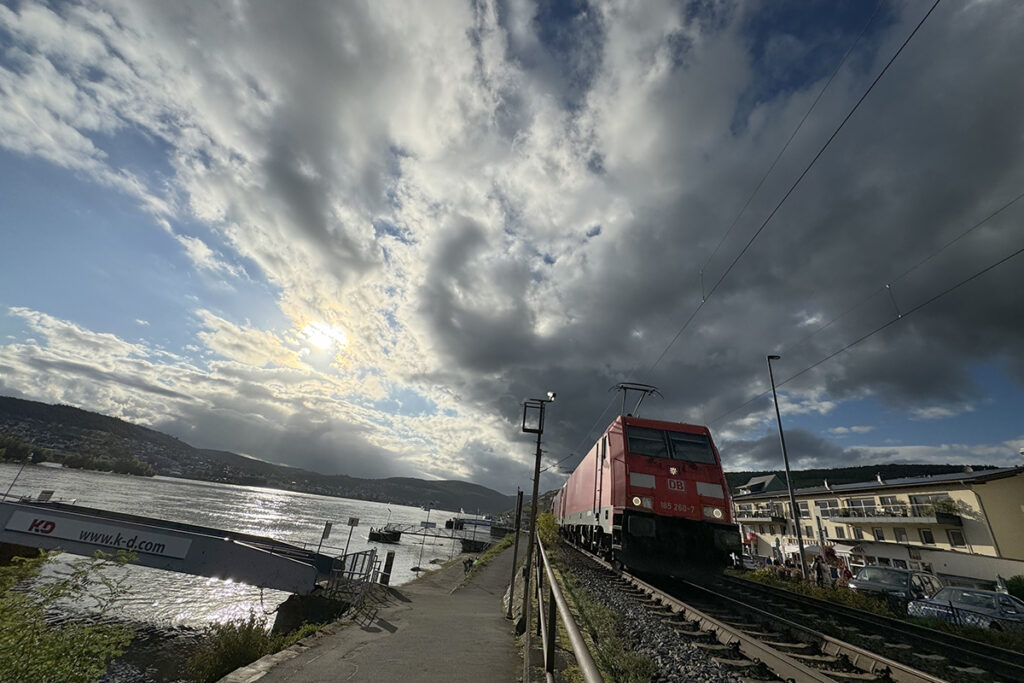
(764, 515)
(893, 514)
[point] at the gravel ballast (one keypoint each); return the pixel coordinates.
(677, 659)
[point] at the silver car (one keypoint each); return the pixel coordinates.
(901, 585)
(971, 607)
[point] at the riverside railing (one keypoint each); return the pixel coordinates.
(547, 628)
(351, 577)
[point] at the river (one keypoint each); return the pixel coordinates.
(167, 601)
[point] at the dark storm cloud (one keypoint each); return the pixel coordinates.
(934, 149)
(304, 440)
(805, 450)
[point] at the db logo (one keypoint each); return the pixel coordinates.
(676, 485)
(41, 526)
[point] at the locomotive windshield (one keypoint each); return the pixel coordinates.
(676, 445)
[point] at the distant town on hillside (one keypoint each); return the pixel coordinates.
(83, 439)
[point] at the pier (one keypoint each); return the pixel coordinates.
(178, 547)
(475, 535)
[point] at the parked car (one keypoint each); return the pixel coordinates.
(971, 607)
(897, 586)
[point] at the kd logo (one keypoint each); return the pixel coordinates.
(41, 526)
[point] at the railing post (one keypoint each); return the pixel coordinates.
(552, 633)
(515, 553)
(539, 589)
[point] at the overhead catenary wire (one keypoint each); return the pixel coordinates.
(792, 135)
(906, 314)
(586, 436)
(793, 187)
(867, 297)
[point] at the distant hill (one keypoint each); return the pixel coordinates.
(849, 475)
(64, 432)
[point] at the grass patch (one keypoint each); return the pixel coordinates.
(834, 594)
(488, 555)
(230, 645)
(1009, 640)
(612, 654)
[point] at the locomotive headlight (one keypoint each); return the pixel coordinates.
(637, 501)
(712, 512)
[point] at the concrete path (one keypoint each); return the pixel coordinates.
(424, 632)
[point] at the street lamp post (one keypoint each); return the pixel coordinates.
(789, 480)
(533, 404)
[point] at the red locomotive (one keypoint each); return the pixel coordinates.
(651, 496)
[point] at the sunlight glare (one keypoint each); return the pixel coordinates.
(324, 336)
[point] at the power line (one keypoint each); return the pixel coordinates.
(793, 187)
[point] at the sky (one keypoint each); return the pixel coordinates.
(354, 237)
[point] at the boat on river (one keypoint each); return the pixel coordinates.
(384, 535)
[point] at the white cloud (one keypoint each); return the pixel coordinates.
(855, 429)
(940, 412)
(482, 209)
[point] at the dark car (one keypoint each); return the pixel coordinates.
(897, 586)
(971, 607)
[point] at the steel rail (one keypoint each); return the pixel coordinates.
(783, 666)
(780, 663)
(584, 660)
(1004, 663)
(863, 659)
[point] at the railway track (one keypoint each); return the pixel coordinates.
(777, 640)
(944, 654)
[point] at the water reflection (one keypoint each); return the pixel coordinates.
(166, 599)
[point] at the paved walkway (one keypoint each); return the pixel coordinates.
(424, 632)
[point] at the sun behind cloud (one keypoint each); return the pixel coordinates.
(324, 336)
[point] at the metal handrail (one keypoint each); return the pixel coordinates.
(549, 629)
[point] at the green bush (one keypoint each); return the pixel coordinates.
(32, 649)
(230, 645)
(1015, 585)
(547, 528)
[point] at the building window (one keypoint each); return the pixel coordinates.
(926, 536)
(870, 559)
(901, 534)
(858, 533)
(840, 532)
(861, 507)
(809, 531)
(825, 507)
(884, 561)
(771, 528)
(878, 533)
(760, 528)
(902, 564)
(956, 538)
(804, 507)
(924, 505)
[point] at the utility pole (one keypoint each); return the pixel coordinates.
(538, 405)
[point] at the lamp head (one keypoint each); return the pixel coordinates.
(774, 357)
(551, 396)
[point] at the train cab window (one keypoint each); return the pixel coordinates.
(643, 441)
(691, 447)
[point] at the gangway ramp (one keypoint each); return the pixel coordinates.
(162, 544)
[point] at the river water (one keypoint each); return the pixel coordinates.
(168, 601)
